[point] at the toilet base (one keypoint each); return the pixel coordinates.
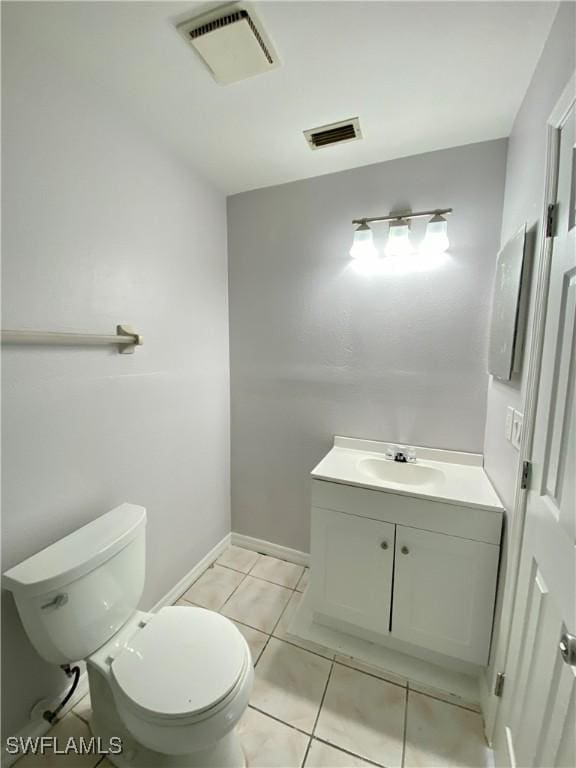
(106, 723)
(227, 753)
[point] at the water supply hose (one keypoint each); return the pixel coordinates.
(74, 672)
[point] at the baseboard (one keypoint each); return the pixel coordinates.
(269, 548)
(189, 578)
(39, 726)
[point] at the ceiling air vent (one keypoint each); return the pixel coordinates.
(335, 133)
(231, 41)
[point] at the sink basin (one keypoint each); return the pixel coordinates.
(400, 474)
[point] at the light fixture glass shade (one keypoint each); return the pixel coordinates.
(363, 245)
(436, 238)
(399, 243)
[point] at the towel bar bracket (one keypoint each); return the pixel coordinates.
(126, 330)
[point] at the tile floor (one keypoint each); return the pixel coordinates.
(309, 707)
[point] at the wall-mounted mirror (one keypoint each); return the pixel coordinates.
(507, 327)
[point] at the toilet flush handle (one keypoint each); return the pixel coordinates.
(56, 602)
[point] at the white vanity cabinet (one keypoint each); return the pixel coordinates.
(413, 572)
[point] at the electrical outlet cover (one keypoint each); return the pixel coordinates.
(517, 424)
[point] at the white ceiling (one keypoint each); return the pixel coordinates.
(420, 76)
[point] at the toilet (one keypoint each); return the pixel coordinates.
(171, 685)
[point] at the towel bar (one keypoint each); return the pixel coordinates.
(125, 338)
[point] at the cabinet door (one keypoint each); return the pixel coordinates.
(444, 589)
(353, 560)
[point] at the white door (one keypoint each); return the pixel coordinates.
(352, 575)
(444, 589)
(537, 717)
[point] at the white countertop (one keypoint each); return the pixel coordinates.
(449, 476)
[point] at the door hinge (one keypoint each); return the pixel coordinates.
(525, 479)
(551, 220)
(499, 684)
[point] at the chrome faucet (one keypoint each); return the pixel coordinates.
(402, 455)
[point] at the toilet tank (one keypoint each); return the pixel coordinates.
(75, 595)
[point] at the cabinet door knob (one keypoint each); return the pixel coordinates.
(384, 545)
(405, 550)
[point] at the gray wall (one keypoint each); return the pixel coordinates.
(318, 349)
(102, 225)
(523, 201)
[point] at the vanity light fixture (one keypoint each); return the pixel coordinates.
(363, 247)
(436, 238)
(399, 239)
(399, 244)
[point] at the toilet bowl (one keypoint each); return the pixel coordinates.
(180, 681)
(170, 685)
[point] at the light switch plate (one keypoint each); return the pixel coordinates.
(509, 420)
(517, 424)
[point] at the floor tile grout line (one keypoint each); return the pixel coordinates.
(249, 573)
(279, 619)
(263, 650)
(181, 597)
(251, 625)
(269, 581)
(318, 713)
(277, 719)
(444, 701)
(263, 554)
(208, 567)
(348, 751)
(274, 582)
(263, 712)
(245, 623)
(271, 635)
(258, 578)
(301, 647)
(245, 575)
(372, 674)
(232, 593)
(274, 628)
(254, 564)
(231, 568)
(323, 697)
(73, 711)
(303, 763)
(405, 728)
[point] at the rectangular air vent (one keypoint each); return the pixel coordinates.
(334, 133)
(232, 42)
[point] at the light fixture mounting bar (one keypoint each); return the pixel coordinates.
(402, 216)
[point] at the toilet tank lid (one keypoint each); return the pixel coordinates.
(76, 554)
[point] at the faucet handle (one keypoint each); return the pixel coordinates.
(391, 451)
(411, 454)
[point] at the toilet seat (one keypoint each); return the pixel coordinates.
(180, 665)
